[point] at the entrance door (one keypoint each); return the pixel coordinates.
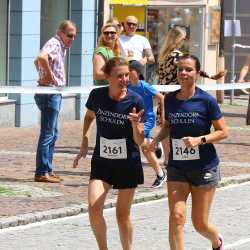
(161, 19)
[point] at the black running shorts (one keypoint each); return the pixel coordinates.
(118, 177)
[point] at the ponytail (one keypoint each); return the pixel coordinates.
(214, 77)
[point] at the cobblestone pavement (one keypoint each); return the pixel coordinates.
(17, 152)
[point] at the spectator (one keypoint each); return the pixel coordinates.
(108, 47)
(133, 46)
(50, 64)
(147, 92)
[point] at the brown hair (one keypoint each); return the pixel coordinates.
(198, 68)
(114, 62)
(101, 42)
(64, 24)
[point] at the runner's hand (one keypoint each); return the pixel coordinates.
(191, 142)
(83, 151)
(152, 146)
(135, 117)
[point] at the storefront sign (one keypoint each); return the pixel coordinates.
(129, 2)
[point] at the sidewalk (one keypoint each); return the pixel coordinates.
(24, 201)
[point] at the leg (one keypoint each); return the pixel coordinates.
(52, 144)
(165, 146)
(97, 193)
(202, 198)
(48, 104)
(123, 205)
(177, 196)
(55, 104)
(151, 158)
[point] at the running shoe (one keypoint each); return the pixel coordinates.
(221, 247)
(158, 151)
(159, 180)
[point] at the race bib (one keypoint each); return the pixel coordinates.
(182, 153)
(113, 148)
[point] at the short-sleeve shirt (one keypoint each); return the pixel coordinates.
(192, 117)
(112, 123)
(56, 52)
(106, 54)
(168, 69)
(136, 43)
(147, 92)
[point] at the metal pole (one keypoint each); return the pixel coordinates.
(233, 52)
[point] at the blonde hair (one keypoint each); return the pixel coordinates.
(101, 43)
(112, 20)
(172, 39)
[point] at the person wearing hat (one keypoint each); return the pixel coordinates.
(147, 92)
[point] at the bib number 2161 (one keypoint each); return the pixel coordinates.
(113, 148)
(182, 153)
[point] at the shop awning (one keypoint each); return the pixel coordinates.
(129, 2)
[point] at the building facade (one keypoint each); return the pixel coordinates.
(24, 27)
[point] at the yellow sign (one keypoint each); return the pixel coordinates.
(129, 2)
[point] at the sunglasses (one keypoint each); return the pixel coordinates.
(71, 36)
(131, 24)
(106, 33)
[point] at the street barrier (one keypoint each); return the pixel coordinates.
(86, 90)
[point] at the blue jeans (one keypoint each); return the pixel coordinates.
(49, 105)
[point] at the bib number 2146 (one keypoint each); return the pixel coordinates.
(182, 153)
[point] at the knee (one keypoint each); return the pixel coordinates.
(95, 210)
(199, 225)
(122, 216)
(177, 218)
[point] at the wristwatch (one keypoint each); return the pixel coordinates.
(203, 140)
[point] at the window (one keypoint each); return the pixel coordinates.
(3, 43)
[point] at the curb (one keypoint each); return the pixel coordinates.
(51, 214)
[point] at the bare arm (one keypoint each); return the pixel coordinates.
(160, 97)
(137, 126)
(98, 63)
(148, 57)
(220, 132)
(42, 62)
(88, 119)
(163, 133)
(244, 70)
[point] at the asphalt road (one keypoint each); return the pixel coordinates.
(231, 213)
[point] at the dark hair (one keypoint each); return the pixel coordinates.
(198, 67)
(114, 62)
(138, 67)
